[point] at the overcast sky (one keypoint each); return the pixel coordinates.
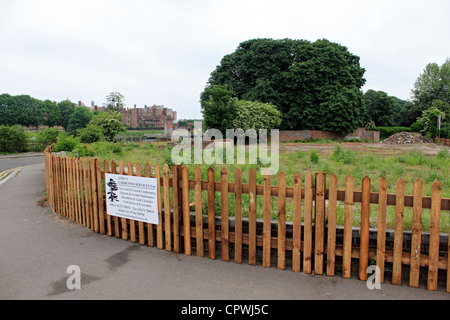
(163, 51)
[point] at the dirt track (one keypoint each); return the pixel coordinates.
(378, 148)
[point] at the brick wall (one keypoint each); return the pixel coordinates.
(292, 135)
(361, 133)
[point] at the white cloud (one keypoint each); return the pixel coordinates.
(163, 51)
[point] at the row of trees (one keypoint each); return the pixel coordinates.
(430, 98)
(89, 127)
(385, 110)
(31, 112)
(80, 124)
(316, 86)
(28, 111)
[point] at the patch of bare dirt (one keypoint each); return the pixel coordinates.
(382, 149)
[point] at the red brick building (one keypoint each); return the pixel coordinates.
(155, 117)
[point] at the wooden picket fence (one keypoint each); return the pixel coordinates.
(445, 142)
(312, 242)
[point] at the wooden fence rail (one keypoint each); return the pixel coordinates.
(310, 241)
(445, 142)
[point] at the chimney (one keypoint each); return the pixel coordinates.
(135, 106)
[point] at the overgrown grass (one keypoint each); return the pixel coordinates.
(342, 162)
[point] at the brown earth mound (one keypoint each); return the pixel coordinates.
(406, 138)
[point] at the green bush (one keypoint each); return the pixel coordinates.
(445, 130)
(47, 137)
(168, 155)
(13, 139)
(65, 142)
(429, 120)
(91, 134)
(301, 154)
(110, 124)
(416, 127)
(79, 119)
(314, 156)
(104, 149)
(82, 150)
(346, 157)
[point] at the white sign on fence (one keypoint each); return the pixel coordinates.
(131, 197)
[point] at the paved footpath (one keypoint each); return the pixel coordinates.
(37, 247)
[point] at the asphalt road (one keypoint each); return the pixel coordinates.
(20, 160)
(41, 254)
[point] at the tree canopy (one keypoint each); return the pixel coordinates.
(66, 108)
(115, 101)
(385, 110)
(21, 109)
(109, 122)
(431, 97)
(315, 85)
(433, 84)
(28, 111)
(79, 119)
(218, 108)
(222, 111)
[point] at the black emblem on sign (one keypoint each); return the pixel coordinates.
(112, 189)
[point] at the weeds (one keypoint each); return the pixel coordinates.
(314, 156)
(346, 157)
(409, 166)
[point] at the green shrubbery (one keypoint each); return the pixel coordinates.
(47, 137)
(91, 134)
(99, 132)
(314, 156)
(65, 142)
(103, 148)
(346, 157)
(13, 139)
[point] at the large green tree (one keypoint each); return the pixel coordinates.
(218, 108)
(79, 119)
(66, 108)
(433, 84)
(51, 114)
(315, 85)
